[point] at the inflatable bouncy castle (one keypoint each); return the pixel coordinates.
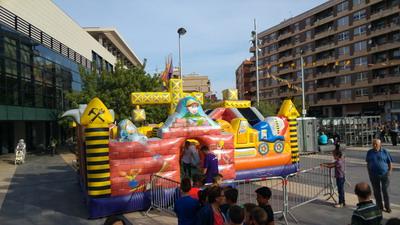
(116, 161)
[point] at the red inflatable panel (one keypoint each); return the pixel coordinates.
(190, 132)
(228, 115)
(217, 113)
(124, 150)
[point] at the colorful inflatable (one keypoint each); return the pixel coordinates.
(116, 165)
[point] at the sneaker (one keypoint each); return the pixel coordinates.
(338, 206)
(388, 210)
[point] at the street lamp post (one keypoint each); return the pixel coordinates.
(254, 34)
(181, 31)
(303, 111)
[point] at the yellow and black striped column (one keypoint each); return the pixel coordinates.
(294, 146)
(97, 160)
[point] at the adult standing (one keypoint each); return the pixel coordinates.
(379, 164)
(189, 158)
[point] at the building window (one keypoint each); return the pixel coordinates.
(345, 79)
(344, 21)
(274, 69)
(358, 2)
(360, 61)
(359, 15)
(360, 30)
(344, 65)
(342, 6)
(343, 36)
(308, 34)
(273, 36)
(361, 76)
(345, 94)
(308, 60)
(360, 46)
(361, 92)
(274, 57)
(345, 50)
(308, 21)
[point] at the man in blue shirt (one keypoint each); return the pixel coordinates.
(379, 163)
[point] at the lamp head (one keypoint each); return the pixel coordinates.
(181, 31)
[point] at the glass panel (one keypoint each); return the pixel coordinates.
(25, 57)
(39, 94)
(12, 90)
(11, 66)
(10, 51)
(26, 71)
(27, 90)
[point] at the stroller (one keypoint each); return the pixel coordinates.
(20, 152)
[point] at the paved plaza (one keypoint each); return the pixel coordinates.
(45, 190)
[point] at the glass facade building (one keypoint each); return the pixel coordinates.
(33, 81)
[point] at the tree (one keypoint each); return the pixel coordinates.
(114, 90)
(267, 108)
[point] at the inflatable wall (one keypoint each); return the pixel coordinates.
(116, 162)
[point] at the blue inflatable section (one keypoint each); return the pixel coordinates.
(267, 172)
(265, 132)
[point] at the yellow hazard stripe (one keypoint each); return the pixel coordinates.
(97, 133)
(99, 192)
(98, 175)
(97, 150)
(99, 184)
(97, 142)
(98, 167)
(97, 158)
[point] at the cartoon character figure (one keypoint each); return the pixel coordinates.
(193, 116)
(131, 176)
(127, 131)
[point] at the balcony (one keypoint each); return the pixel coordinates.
(384, 13)
(322, 102)
(384, 47)
(323, 21)
(324, 47)
(385, 29)
(324, 33)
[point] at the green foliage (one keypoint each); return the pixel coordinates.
(114, 90)
(266, 108)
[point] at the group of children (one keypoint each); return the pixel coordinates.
(217, 205)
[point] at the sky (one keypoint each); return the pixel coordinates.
(218, 31)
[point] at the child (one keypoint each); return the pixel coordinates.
(231, 196)
(339, 175)
(258, 216)
(235, 215)
(248, 207)
(186, 207)
(197, 184)
(210, 164)
(263, 196)
(217, 180)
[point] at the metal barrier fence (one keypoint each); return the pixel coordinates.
(312, 182)
(163, 194)
(358, 130)
(247, 188)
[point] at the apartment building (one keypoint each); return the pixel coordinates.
(196, 83)
(243, 76)
(351, 52)
(41, 50)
